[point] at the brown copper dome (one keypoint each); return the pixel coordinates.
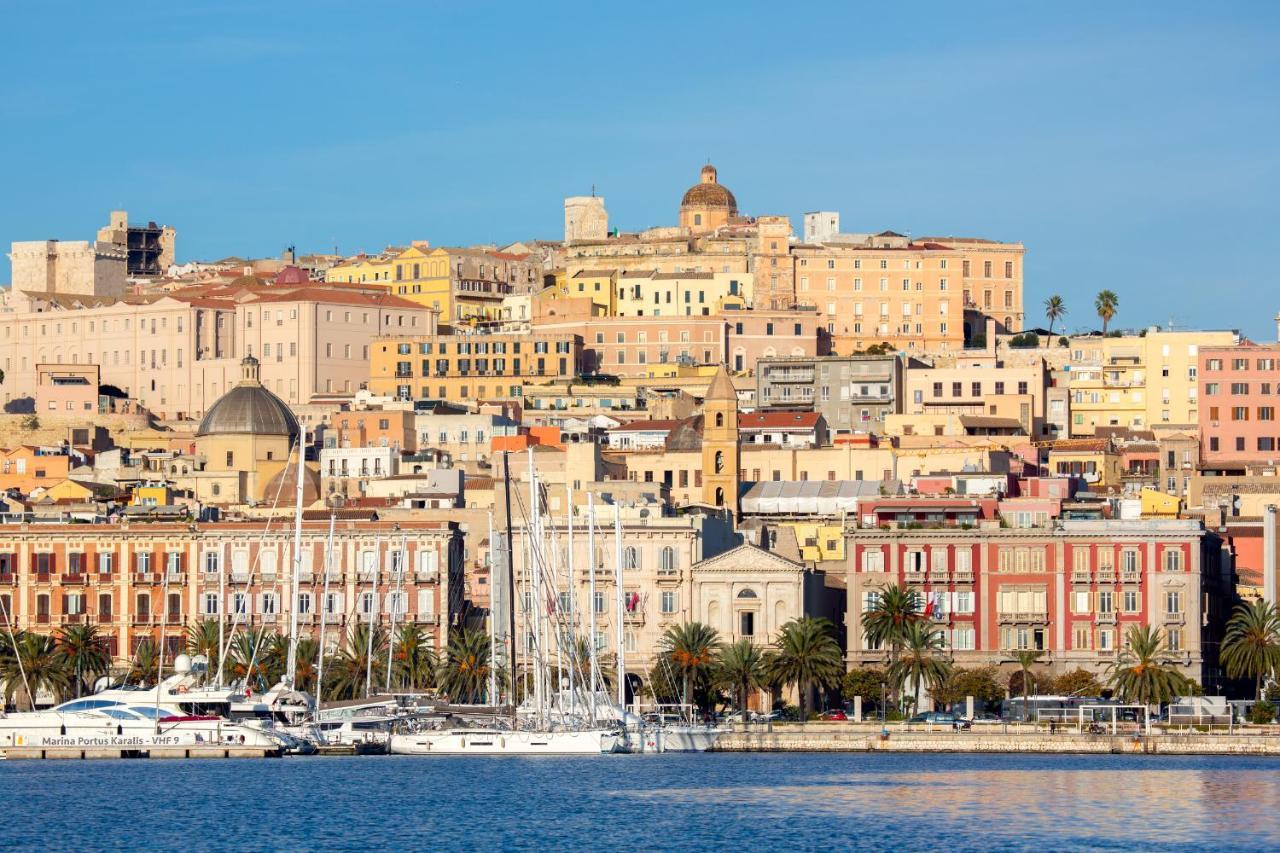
(708, 193)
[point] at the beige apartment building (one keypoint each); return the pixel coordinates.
(1138, 381)
(179, 352)
(926, 295)
(985, 389)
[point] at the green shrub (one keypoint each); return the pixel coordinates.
(1262, 713)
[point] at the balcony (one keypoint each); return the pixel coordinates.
(425, 575)
(143, 578)
(1175, 618)
(1130, 576)
(73, 579)
(1107, 618)
(963, 576)
(634, 617)
(1081, 576)
(1024, 617)
(268, 618)
(8, 578)
(141, 619)
(938, 575)
(791, 375)
(1106, 575)
(71, 619)
(239, 577)
(426, 619)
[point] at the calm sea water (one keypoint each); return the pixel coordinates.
(703, 802)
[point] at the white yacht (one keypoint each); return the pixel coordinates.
(129, 719)
(475, 741)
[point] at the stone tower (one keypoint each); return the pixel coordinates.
(585, 218)
(720, 443)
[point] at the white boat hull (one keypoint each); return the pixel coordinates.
(678, 739)
(49, 730)
(462, 742)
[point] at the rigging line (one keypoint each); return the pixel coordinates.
(17, 655)
(261, 635)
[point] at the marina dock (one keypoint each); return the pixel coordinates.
(19, 753)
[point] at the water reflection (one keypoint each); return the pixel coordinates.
(1091, 806)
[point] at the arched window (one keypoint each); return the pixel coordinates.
(748, 593)
(630, 557)
(719, 419)
(719, 497)
(668, 559)
(719, 461)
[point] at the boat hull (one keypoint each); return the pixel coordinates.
(505, 743)
(678, 739)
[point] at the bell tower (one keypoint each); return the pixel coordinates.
(720, 443)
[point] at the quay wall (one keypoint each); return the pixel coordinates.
(998, 742)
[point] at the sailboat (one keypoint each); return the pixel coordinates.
(541, 726)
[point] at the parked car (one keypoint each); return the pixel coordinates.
(835, 714)
(938, 718)
(986, 720)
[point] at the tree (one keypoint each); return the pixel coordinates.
(202, 639)
(867, 682)
(1251, 644)
(1107, 303)
(145, 665)
(806, 654)
(31, 423)
(886, 623)
(1077, 682)
(690, 651)
(32, 663)
(1144, 673)
(922, 661)
(308, 656)
(1026, 659)
(1262, 713)
(1054, 310)
(466, 666)
(980, 683)
(741, 667)
(247, 655)
(413, 664)
(85, 652)
(352, 666)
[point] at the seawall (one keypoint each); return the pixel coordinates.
(834, 740)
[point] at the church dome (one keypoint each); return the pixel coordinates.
(709, 194)
(249, 409)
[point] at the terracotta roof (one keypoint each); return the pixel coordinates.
(778, 420)
(645, 426)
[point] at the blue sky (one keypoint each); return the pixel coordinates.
(1129, 146)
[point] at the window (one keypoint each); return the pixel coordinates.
(630, 557)
(747, 623)
(1172, 560)
(668, 601)
(1173, 602)
(668, 558)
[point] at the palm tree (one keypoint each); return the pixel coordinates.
(145, 664)
(346, 675)
(742, 667)
(1251, 645)
(807, 654)
(202, 639)
(85, 651)
(1144, 673)
(308, 655)
(1107, 304)
(1054, 310)
(414, 661)
(36, 657)
(921, 661)
(466, 666)
(886, 623)
(1026, 659)
(690, 652)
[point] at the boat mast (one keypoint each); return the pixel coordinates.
(291, 669)
(535, 553)
(493, 623)
(222, 611)
(395, 599)
(324, 608)
(572, 652)
(511, 588)
(373, 615)
(591, 600)
(164, 619)
(617, 579)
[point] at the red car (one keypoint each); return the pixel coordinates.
(835, 714)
